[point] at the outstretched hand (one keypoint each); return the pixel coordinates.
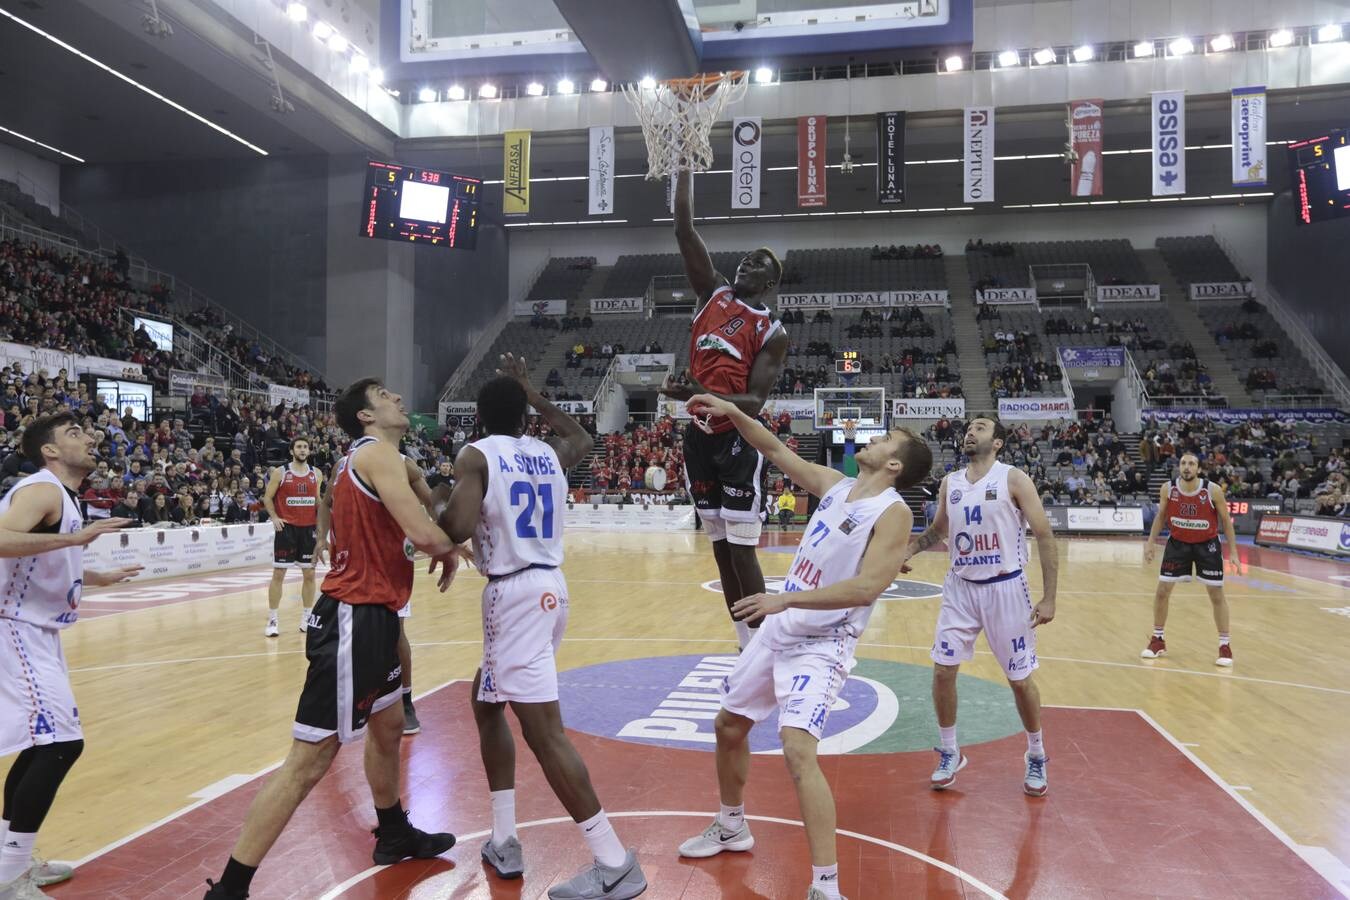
(514, 367)
(681, 386)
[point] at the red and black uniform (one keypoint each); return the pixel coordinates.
(725, 474)
(352, 640)
(297, 504)
(1194, 541)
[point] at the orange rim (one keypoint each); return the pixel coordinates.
(702, 80)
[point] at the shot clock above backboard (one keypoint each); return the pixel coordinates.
(405, 203)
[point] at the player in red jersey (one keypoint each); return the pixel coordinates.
(291, 499)
(1194, 508)
(352, 643)
(736, 352)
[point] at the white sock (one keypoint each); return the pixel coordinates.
(731, 817)
(407, 693)
(826, 880)
(1223, 639)
(1158, 633)
(16, 855)
(503, 816)
(604, 843)
(948, 737)
(272, 615)
(743, 634)
(1035, 746)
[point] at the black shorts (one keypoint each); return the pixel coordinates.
(293, 547)
(725, 475)
(354, 670)
(1205, 557)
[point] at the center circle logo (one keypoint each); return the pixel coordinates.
(902, 589)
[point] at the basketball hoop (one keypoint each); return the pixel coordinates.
(677, 116)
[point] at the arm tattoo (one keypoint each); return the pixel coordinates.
(923, 541)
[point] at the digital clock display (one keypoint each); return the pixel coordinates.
(848, 363)
(405, 203)
(1320, 170)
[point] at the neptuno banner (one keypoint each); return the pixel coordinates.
(1220, 290)
(890, 158)
(1006, 296)
(1249, 137)
(602, 170)
(977, 174)
(604, 306)
(516, 173)
(747, 138)
(811, 161)
(1169, 143)
(928, 409)
(1128, 293)
(1085, 136)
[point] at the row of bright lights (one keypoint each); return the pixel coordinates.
(1182, 46)
(564, 87)
(333, 39)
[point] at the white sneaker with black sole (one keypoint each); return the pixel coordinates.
(716, 838)
(271, 630)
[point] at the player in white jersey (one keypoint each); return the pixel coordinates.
(510, 496)
(983, 513)
(42, 532)
(801, 655)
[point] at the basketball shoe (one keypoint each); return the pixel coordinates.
(1035, 784)
(508, 860)
(21, 888)
(1156, 648)
(716, 838)
(597, 882)
(817, 894)
(45, 873)
(1225, 656)
(949, 763)
(397, 844)
(271, 630)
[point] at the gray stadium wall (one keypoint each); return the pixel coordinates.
(1310, 267)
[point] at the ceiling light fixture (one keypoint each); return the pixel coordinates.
(599, 86)
(426, 95)
(534, 89)
(647, 83)
(322, 31)
(955, 64)
(764, 75)
(24, 137)
(1084, 53)
(1329, 34)
(1008, 58)
(337, 43)
(297, 12)
(487, 91)
(565, 86)
(1143, 49)
(1282, 38)
(456, 92)
(1181, 46)
(1044, 57)
(1221, 43)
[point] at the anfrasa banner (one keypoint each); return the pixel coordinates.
(516, 173)
(1085, 136)
(1220, 290)
(1091, 357)
(1249, 137)
(1169, 143)
(811, 150)
(539, 308)
(928, 409)
(1035, 408)
(747, 139)
(1228, 416)
(891, 158)
(977, 172)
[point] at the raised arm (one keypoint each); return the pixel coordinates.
(382, 467)
(1225, 520)
(936, 529)
(459, 519)
(1159, 520)
(269, 497)
(698, 264)
(1023, 491)
(36, 506)
(573, 443)
(815, 479)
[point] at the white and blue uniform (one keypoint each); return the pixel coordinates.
(39, 596)
(799, 659)
(519, 548)
(986, 588)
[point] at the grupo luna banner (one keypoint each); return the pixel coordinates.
(1085, 135)
(516, 173)
(1249, 137)
(977, 174)
(811, 161)
(747, 138)
(890, 158)
(602, 170)
(1169, 143)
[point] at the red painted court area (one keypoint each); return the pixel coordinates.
(1128, 815)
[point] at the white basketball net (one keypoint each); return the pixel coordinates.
(677, 117)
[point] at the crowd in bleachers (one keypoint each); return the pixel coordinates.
(250, 354)
(903, 251)
(629, 453)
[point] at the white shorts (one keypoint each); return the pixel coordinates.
(524, 617)
(1001, 610)
(37, 705)
(801, 682)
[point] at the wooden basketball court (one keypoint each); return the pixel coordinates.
(1168, 778)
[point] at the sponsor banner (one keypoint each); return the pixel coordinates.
(1128, 293)
(1324, 535)
(602, 171)
(1249, 137)
(805, 301)
(630, 517)
(1169, 143)
(639, 362)
(890, 158)
(167, 552)
(977, 173)
(182, 383)
(1247, 513)
(539, 308)
(462, 413)
(1035, 408)
(1117, 519)
(747, 138)
(863, 300)
(673, 408)
(801, 410)
(35, 359)
(1236, 416)
(280, 393)
(516, 173)
(572, 407)
(928, 409)
(1085, 137)
(1091, 357)
(811, 150)
(101, 365)
(607, 306)
(1220, 290)
(1006, 296)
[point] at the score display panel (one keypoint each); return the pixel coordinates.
(405, 203)
(1320, 171)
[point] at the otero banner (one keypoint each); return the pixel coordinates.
(928, 409)
(1220, 290)
(1128, 293)
(890, 158)
(863, 300)
(1249, 137)
(811, 151)
(1006, 296)
(747, 139)
(977, 171)
(605, 306)
(516, 173)
(539, 308)
(1035, 408)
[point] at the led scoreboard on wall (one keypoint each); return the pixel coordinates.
(404, 203)
(848, 363)
(1320, 172)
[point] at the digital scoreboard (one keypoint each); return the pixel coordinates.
(404, 203)
(1320, 172)
(848, 363)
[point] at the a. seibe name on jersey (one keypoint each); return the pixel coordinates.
(987, 545)
(530, 465)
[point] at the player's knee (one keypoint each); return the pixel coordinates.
(731, 728)
(799, 752)
(59, 756)
(309, 762)
(945, 674)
